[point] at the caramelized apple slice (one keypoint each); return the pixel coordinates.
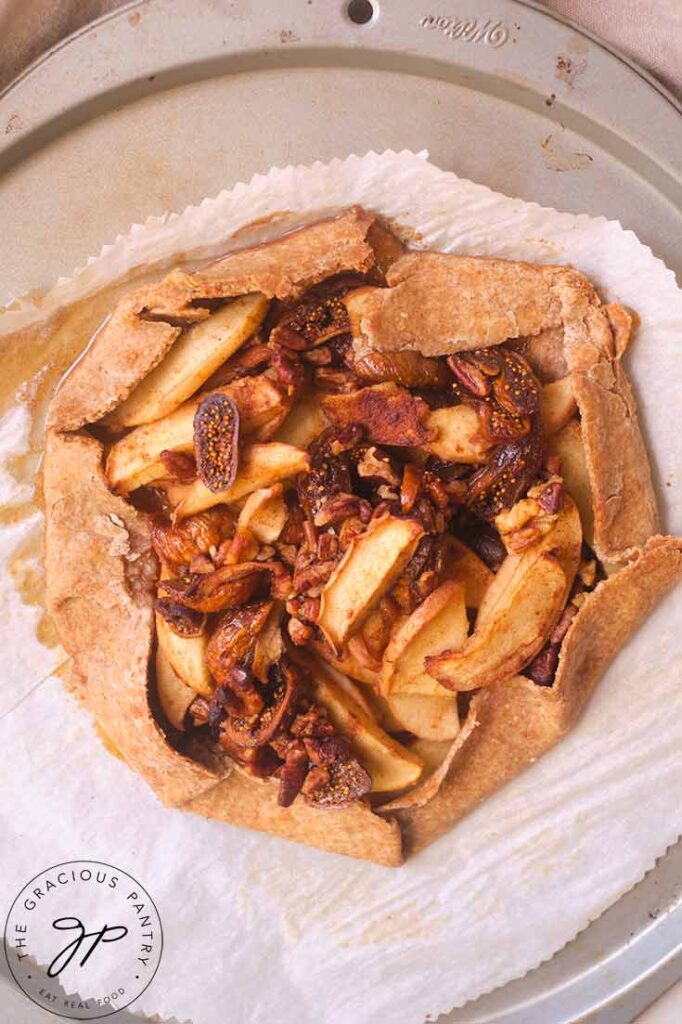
(568, 445)
(458, 436)
(564, 540)
(390, 764)
(344, 662)
(305, 422)
(519, 609)
(557, 405)
(264, 514)
(427, 717)
(175, 696)
(512, 636)
(260, 465)
(197, 353)
(186, 656)
(371, 564)
(439, 623)
(463, 565)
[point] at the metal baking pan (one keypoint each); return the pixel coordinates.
(177, 101)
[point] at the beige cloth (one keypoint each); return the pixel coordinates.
(648, 30)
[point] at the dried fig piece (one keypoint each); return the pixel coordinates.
(513, 469)
(473, 373)
(181, 620)
(347, 780)
(516, 388)
(177, 544)
(227, 587)
(329, 469)
(499, 425)
(388, 414)
(234, 639)
(408, 369)
(216, 439)
(277, 715)
(311, 322)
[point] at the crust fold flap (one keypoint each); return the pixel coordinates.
(438, 303)
(355, 831)
(146, 322)
(510, 725)
(624, 502)
(100, 570)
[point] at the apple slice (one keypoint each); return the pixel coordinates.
(134, 460)
(186, 656)
(557, 404)
(519, 609)
(371, 564)
(175, 696)
(305, 422)
(197, 353)
(463, 565)
(345, 662)
(439, 623)
(564, 540)
(458, 436)
(264, 514)
(429, 718)
(512, 636)
(390, 764)
(260, 465)
(568, 445)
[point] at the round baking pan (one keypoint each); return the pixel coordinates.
(160, 104)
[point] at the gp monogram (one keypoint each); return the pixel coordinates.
(83, 939)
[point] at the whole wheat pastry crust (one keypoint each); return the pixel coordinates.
(101, 572)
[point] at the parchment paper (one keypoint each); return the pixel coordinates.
(258, 930)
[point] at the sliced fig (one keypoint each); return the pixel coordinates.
(216, 440)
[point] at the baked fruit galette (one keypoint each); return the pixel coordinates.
(340, 536)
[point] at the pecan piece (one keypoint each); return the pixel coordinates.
(292, 773)
(216, 438)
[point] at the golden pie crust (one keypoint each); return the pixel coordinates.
(101, 570)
